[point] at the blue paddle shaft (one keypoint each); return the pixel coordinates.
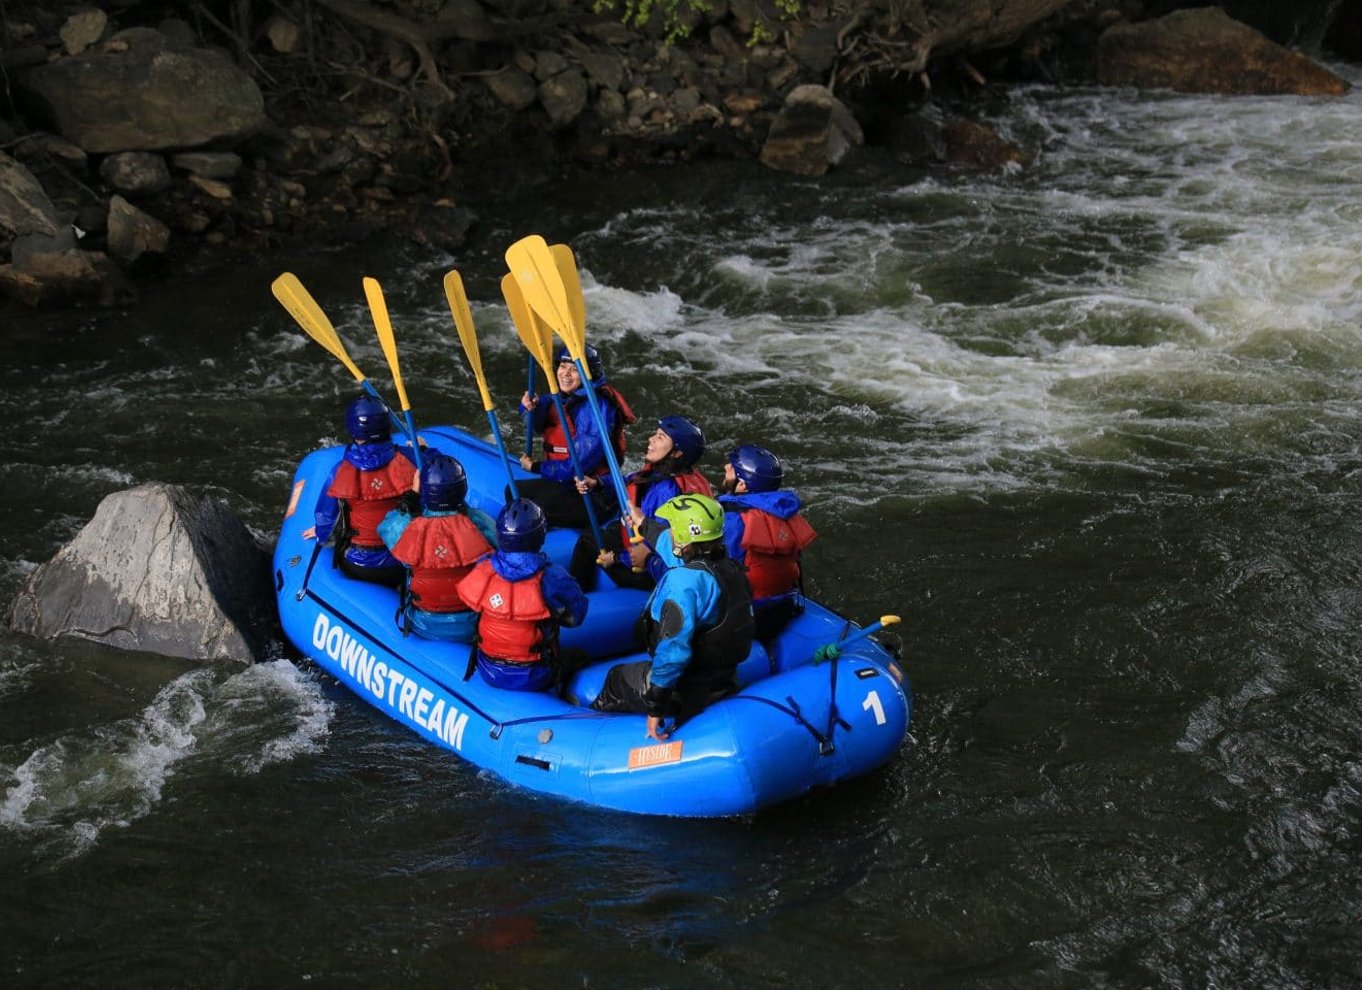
(529, 420)
(869, 630)
(415, 444)
(501, 447)
(620, 491)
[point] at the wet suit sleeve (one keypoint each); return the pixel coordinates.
(328, 508)
(657, 495)
(682, 602)
(563, 595)
(539, 415)
(661, 559)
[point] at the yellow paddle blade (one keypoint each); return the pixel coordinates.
(468, 336)
(378, 307)
(889, 620)
(536, 337)
(572, 286)
(308, 315)
(532, 264)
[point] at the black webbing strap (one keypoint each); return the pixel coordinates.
(497, 728)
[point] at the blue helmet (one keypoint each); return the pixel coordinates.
(756, 467)
(593, 362)
(367, 419)
(444, 485)
(521, 526)
(685, 435)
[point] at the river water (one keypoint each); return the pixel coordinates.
(1092, 427)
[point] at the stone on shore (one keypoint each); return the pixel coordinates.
(564, 97)
(134, 234)
(24, 207)
(136, 173)
(82, 30)
(156, 570)
(813, 131)
(1203, 50)
(142, 91)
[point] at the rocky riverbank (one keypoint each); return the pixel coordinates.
(146, 137)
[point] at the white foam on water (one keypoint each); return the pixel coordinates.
(92, 475)
(611, 312)
(268, 713)
(78, 786)
(67, 792)
(1182, 267)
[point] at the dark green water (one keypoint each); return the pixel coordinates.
(1092, 429)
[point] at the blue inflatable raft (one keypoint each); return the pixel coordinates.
(793, 726)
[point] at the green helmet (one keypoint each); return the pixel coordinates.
(693, 519)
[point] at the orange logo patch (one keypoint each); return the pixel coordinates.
(293, 500)
(655, 755)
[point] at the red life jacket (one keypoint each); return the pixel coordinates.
(771, 548)
(440, 550)
(556, 441)
(690, 482)
(371, 495)
(511, 614)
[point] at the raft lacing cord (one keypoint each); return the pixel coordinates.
(825, 747)
(306, 592)
(791, 708)
(834, 719)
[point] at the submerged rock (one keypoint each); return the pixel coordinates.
(156, 570)
(64, 275)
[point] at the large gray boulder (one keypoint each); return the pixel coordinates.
(143, 91)
(156, 570)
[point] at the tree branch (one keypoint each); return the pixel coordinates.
(419, 36)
